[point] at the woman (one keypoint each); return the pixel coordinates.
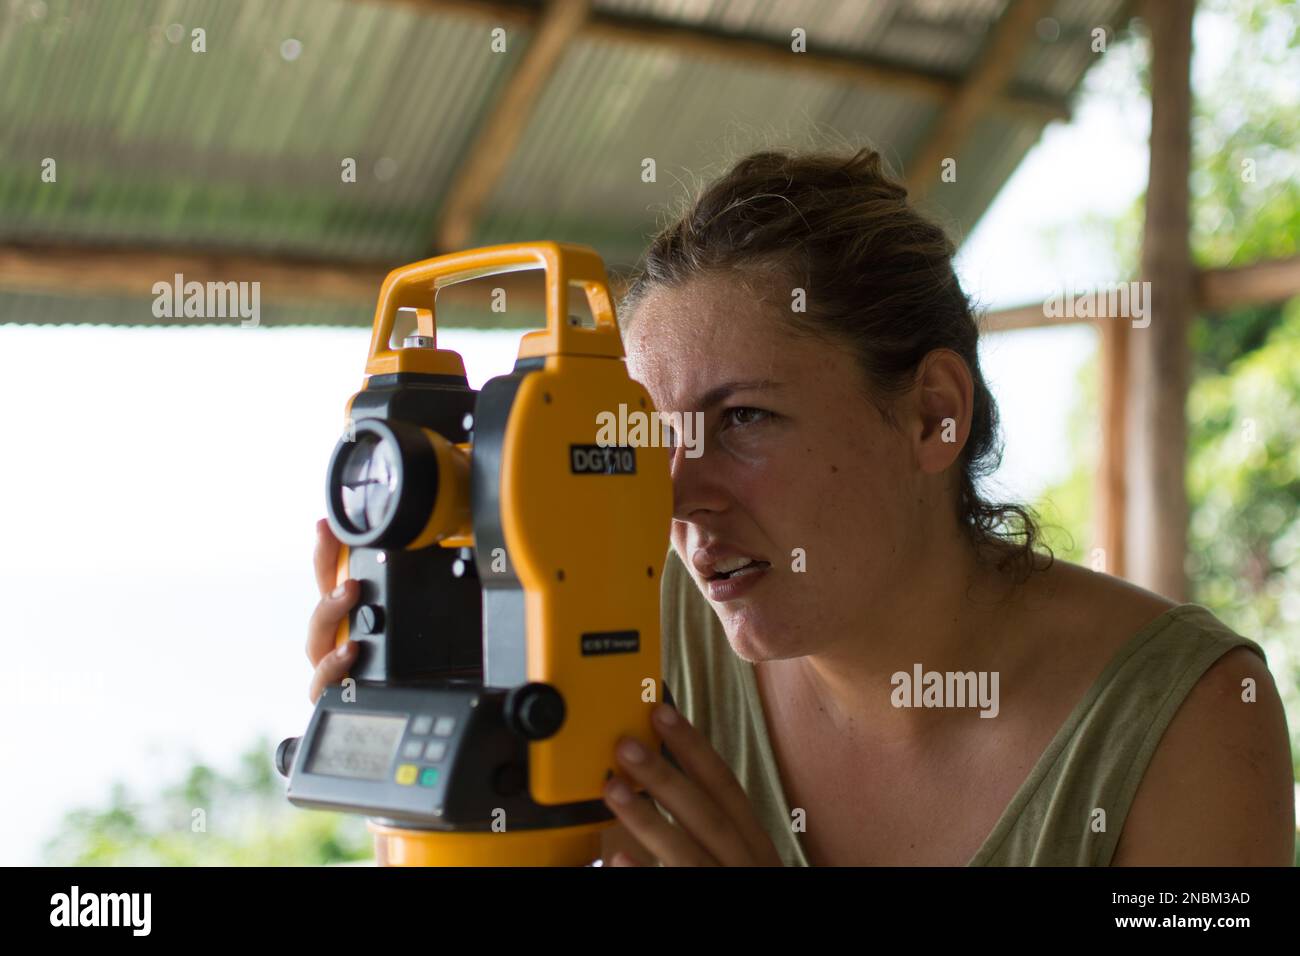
(870, 663)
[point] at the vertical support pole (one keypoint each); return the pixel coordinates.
(1160, 368)
(1110, 518)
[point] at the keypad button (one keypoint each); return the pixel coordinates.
(436, 750)
(412, 749)
(444, 726)
(406, 774)
(421, 724)
(429, 777)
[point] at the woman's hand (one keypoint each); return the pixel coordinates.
(714, 822)
(331, 665)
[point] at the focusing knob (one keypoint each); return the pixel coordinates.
(285, 753)
(534, 711)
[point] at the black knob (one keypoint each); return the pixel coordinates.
(508, 780)
(285, 753)
(534, 711)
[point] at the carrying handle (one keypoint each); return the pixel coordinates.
(409, 287)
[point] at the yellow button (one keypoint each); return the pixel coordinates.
(406, 773)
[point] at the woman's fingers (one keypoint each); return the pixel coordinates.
(701, 763)
(700, 819)
(326, 557)
(324, 623)
(704, 797)
(331, 664)
(332, 669)
(669, 844)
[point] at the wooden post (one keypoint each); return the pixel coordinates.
(1109, 517)
(1157, 511)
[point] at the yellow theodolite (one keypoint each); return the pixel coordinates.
(509, 564)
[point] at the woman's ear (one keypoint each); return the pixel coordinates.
(944, 400)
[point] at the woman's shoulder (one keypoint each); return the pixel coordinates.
(1085, 619)
(1094, 601)
(1218, 789)
(1105, 629)
(1204, 714)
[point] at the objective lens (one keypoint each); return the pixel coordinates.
(382, 484)
(368, 483)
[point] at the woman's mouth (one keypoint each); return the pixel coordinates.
(734, 577)
(735, 567)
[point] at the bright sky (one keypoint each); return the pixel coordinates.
(162, 488)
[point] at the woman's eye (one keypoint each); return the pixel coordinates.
(744, 415)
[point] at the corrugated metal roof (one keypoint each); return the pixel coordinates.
(995, 147)
(582, 181)
(943, 36)
(1063, 51)
(240, 147)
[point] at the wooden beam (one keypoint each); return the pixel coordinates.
(1215, 290)
(500, 14)
(487, 159)
(1160, 368)
(996, 65)
(1274, 280)
(131, 272)
(127, 270)
(1023, 317)
(114, 271)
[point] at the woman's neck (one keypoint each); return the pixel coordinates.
(958, 614)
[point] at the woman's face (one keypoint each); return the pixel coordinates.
(798, 471)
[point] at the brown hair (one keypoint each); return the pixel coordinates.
(878, 277)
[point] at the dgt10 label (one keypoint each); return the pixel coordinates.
(602, 460)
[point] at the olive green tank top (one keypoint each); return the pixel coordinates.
(1096, 759)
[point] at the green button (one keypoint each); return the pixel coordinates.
(428, 776)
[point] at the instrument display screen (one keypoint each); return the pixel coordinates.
(360, 746)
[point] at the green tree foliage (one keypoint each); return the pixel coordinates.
(1243, 469)
(1244, 483)
(208, 818)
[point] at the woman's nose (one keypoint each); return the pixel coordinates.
(697, 484)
